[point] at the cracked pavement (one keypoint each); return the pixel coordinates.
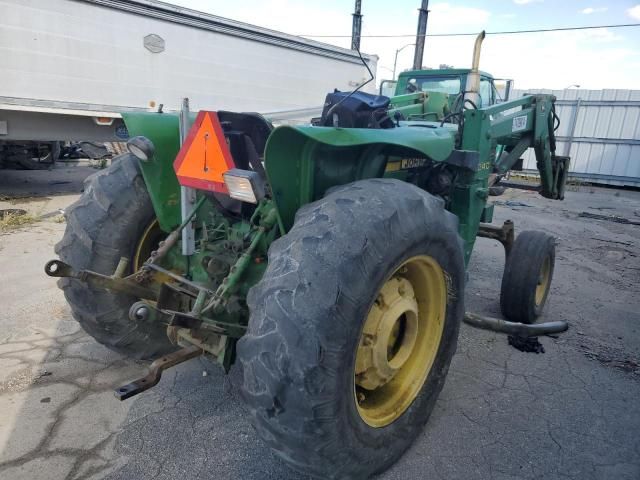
(571, 413)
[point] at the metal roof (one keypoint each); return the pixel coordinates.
(440, 71)
(206, 21)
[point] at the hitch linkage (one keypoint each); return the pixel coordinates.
(155, 372)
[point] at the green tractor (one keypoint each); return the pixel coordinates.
(449, 81)
(328, 260)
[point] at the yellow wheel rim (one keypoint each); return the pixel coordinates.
(400, 340)
(543, 281)
(147, 243)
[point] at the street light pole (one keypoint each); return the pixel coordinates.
(395, 61)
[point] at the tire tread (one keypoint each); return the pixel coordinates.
(291, 361)
(98, 232)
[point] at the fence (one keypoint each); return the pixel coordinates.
(600, 131)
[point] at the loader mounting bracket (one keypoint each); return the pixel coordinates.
(504, 234)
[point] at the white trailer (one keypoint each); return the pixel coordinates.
(69, 67)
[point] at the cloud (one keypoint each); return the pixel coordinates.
(568, 58)
(446, 16)
(525, 2)
(590, 10)
(561, 58)
(602, 35)
(289, 16)
(443, 18)
(634, 12)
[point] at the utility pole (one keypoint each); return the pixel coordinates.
(357, 26)
(420, 36)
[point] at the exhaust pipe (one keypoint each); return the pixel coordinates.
(512, 328)
(472, 89)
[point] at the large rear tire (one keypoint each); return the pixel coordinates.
(108, 222)
(353, 327)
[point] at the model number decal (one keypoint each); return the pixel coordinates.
(412, 163)
(519, 123)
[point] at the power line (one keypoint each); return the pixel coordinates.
(505, 32)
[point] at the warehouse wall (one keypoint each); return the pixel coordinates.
(600, 131)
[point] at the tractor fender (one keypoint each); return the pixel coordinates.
(303, 162)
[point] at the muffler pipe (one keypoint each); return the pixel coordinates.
(475, 63)
(472, 88)
(512, 328)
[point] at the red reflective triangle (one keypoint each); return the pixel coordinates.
(204, 155)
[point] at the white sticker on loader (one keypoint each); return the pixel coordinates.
(519, 123)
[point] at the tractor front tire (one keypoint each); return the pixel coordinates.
(353, 327)
(527, 276)
(105, 224)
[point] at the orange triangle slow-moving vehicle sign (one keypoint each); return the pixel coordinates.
(204, 155)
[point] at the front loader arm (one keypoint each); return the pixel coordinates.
(518, 125)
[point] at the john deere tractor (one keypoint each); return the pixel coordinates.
(328, 260)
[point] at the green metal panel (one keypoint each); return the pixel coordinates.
(163, 130)
(421, 105)
(303, 162)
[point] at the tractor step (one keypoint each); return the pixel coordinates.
(155, 372)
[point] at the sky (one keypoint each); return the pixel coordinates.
(594, 59)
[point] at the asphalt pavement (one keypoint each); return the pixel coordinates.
(570, 413)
